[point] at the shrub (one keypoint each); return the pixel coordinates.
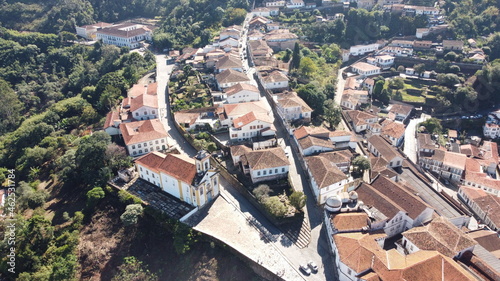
(94, 195)
(298, 200)
(262, 192)
(132, 214)
(275, 207)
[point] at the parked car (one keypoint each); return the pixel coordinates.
(305, 269)
(313, 266)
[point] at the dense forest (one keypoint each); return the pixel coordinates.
(183, 22)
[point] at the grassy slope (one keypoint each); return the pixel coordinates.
(104, 242)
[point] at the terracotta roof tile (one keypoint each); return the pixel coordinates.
(267, 158)
(241, 87)
(142, 131)
(311, 141)
(143, 100)
(176, 165)
(324, 172)
(394, 129)
(383, 147)
(231, 76)
(359, 117)
(349, 221)
(305, 131)
(412, 204)
(228, 62)
(238, 150)
(440, 235)
(292, 99)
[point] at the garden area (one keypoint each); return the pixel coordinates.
(187, 91)
(280, 201)
(410, 90)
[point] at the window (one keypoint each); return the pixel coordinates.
(145, 113)
(140, 168)
(133, 146)
(139, 145)
(145, 144)
(157, 148)
(264, 173)
(258, 173)
(146, 150)
(270, 171)
(275, 171)
(153, 112)
(162, 140)
(150, 143)
(156, 141)
(137, 114)
(282, 170)
(147, 172)
(349, 272)
(140, 151)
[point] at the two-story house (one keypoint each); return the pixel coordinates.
(242, 92)
(231, 77)
(144, 136)
(192, 180)
(360, 120)
(142, 107)
(438, 235)
(400, 112)
(365, 69)
(292, 107)
(274, 80)
(326, 178)
(378, 146)
(235, 110)
(265, 164)
(252, 125)
(394, 132)
(228, 62)
(397, 208)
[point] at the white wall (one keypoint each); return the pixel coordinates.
(145, 113)
(153, 145)
(243, 96)
(257, 175)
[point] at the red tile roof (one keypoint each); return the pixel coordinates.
(412, 204)
(176, 165)
(142, 131)
(267, 158)
(241, 87)
(440, 235)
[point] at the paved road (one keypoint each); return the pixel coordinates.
(163, 72)
(410, 147)
(317, 251)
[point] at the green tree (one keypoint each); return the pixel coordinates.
(307, 67)
(361, 164)
(296, 57)
(262, 192)
(275, 207)
(298, 200)
(10, 108)
(132, 214)
(94, 196)
(419, 68)
(91, 159)
(451, 56)
(332, 113)
(377, 89)
(397, 83)
(433, 125)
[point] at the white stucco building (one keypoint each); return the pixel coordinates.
(141, 137)
(192, 180)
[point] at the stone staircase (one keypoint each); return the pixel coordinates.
(299, 233)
